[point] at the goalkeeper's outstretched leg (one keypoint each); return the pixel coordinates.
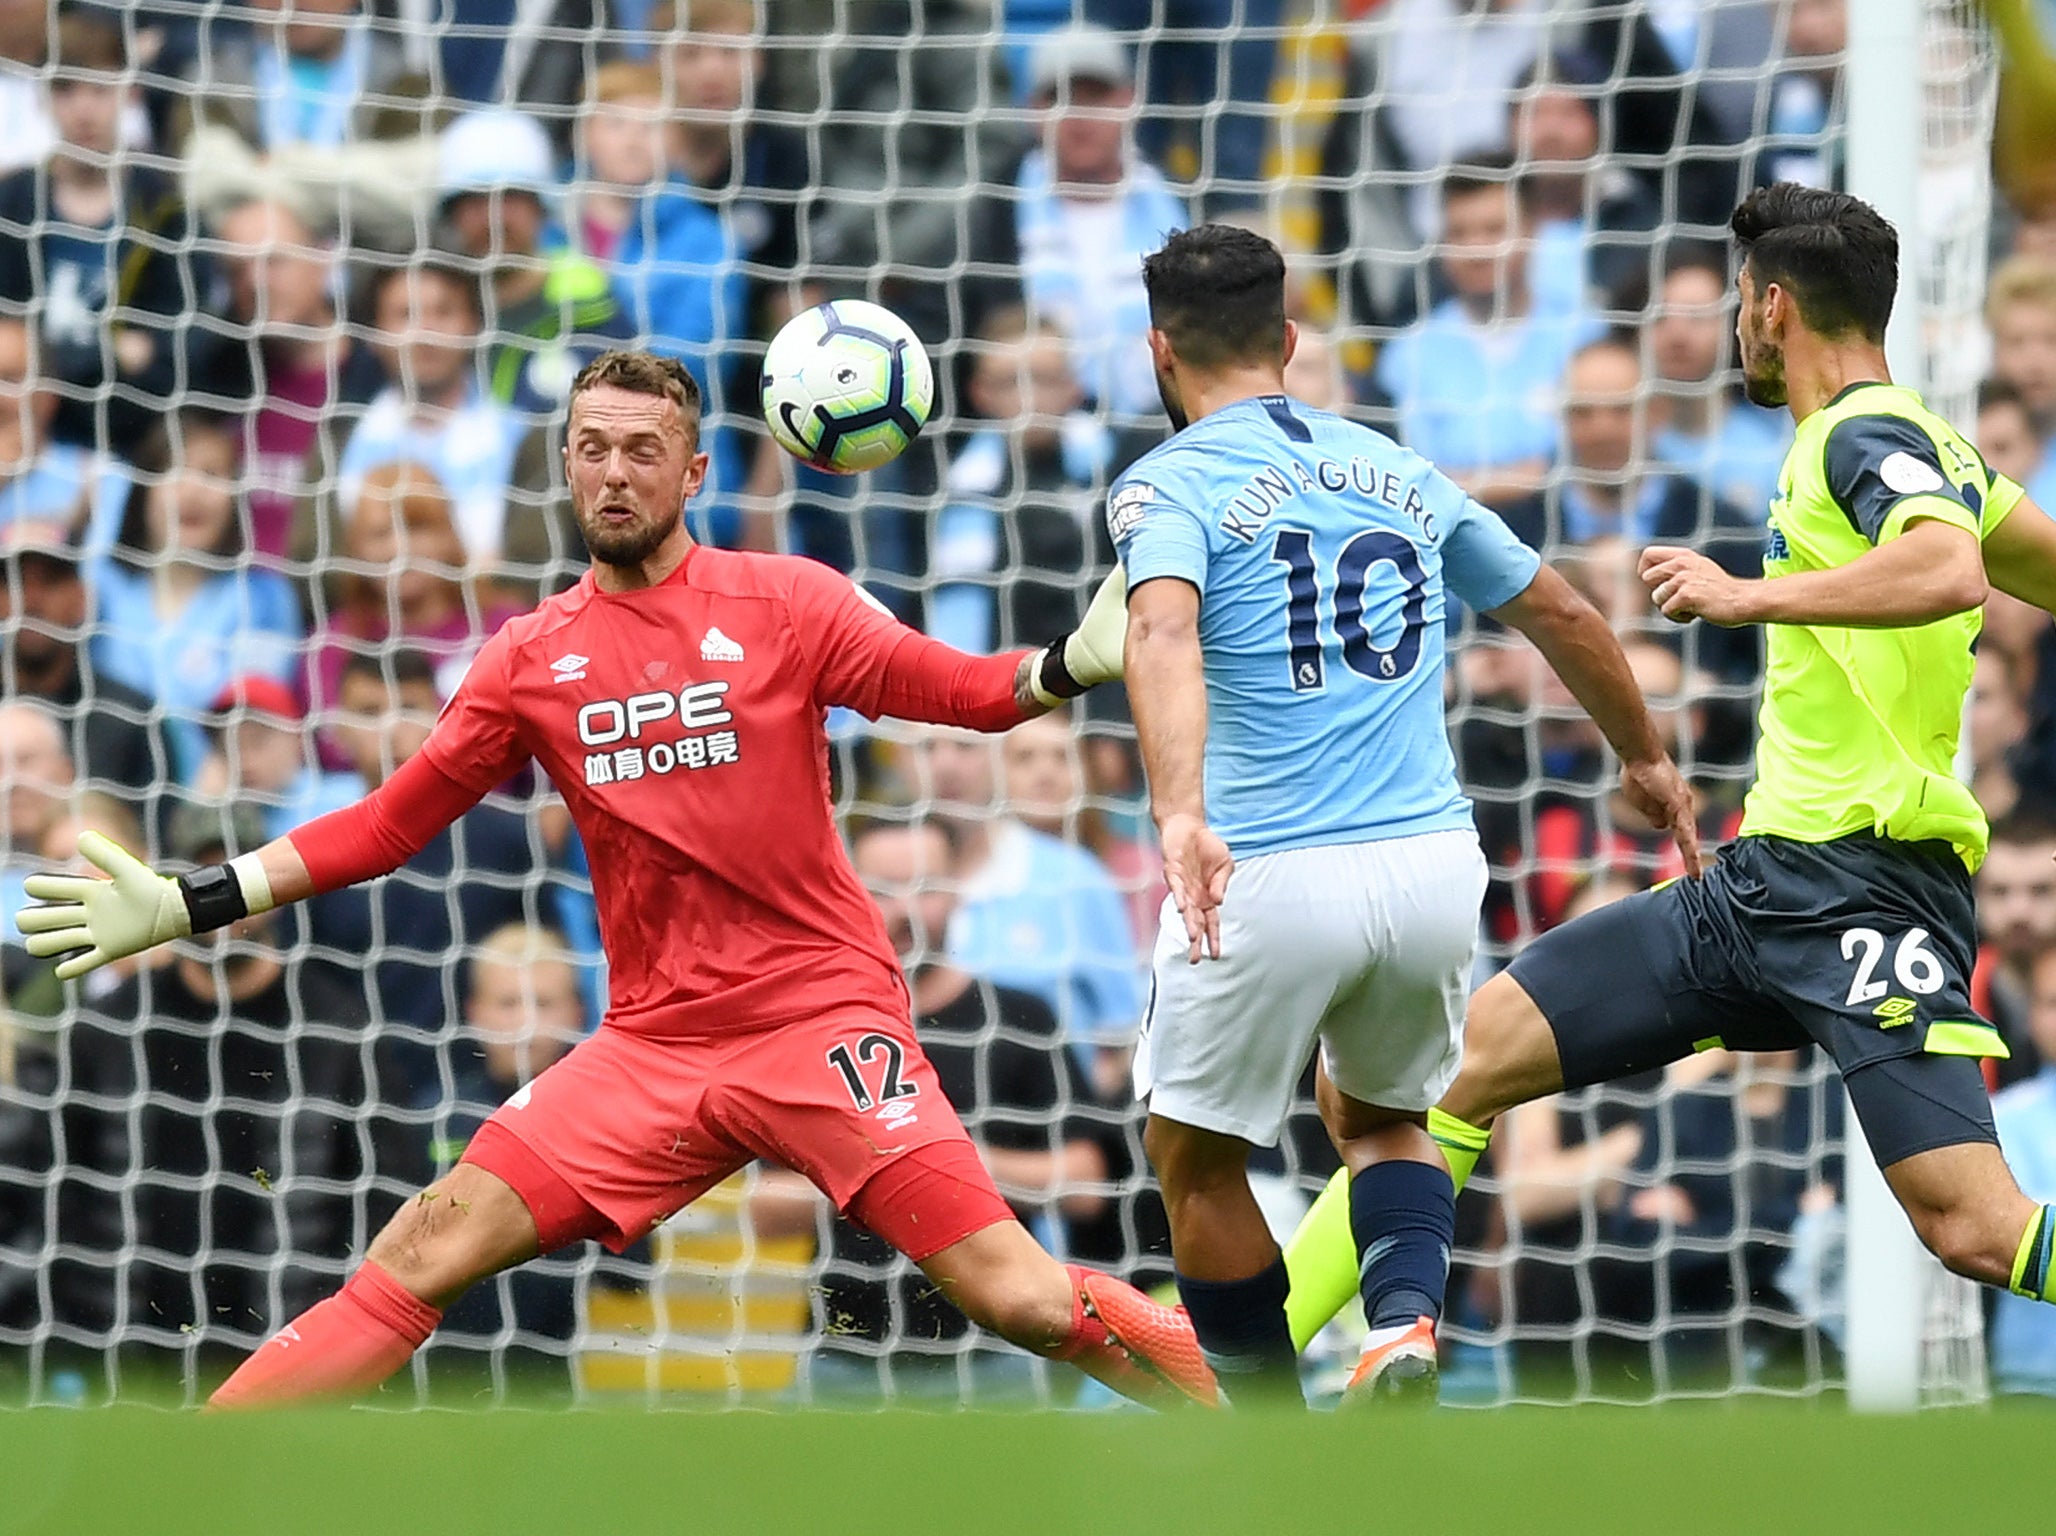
(473, 1224)
(436, 1247)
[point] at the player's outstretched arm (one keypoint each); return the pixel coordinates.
(1166, 674)
(1931, 571)
(1583, 651)
(95, 922)
(2020, 556)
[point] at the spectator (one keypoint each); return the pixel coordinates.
(213, 1125)
(763, 176)
(1806, 107)
(2016, 919)
(1593, 222)
(1046, 789)
(427, 317)
(1084, 210)
(998, 1058)
(522, 1012)
(284, 356)
(182, 613)
(1682, 95)
(35, 782)
(2020, 311)
(1035, 913)
(548, 310)
(1444, 70)
(1473, 384)
(1576, 842)
(310, 73)
(914, 127)
(27, 130)
(403, 580)
(86, 237)
(1313, 374)
(2023, 1342)
(1994, 725)
(44, 481)
(473, 878)
(258, 752)
(678, 268)
(111, 730)
(1606, 489)
(1707, 430)
(761, 180)
(1208, 66)
(2007, 436)
(1015, 547)
(620, 151)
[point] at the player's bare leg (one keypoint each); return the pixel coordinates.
(1967, 1209)
(1509, 1059)
(1006, 1282)
(447, 1238)
(1230, 1274)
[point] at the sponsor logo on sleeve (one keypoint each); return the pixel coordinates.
(1127, 508)
(1908, 475)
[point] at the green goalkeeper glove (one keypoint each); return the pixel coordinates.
(1091, 653)
(134, 908)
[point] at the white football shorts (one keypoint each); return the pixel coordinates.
(1364, 947)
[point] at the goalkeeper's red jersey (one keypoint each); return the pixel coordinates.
(685, 727)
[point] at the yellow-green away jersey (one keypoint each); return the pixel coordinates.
(1858, 727)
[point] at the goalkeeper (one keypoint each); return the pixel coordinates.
(1842, 916)
(676, 697)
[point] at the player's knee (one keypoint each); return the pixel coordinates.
(1509, 1054)
(431, 1256)
(1192, 1164)
(1968, 1243)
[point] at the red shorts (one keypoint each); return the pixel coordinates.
(628, 1128)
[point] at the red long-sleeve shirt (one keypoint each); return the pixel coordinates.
(684, 726)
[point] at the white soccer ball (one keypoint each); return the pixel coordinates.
(846, 386)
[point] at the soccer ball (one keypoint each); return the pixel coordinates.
(846, 386)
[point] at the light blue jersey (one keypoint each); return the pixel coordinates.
(1322, 552)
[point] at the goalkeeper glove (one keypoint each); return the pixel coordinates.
(1091, 653)
(134, 908)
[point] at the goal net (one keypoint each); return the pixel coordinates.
(284, 455)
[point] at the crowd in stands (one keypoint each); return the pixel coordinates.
(291, 293)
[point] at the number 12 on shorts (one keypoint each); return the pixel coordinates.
(1913, 964)
(848, 1060)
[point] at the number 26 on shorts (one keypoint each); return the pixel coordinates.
(850, 1060)
(1914, 965)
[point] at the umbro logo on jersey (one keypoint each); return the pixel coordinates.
(718, 647)
(569, 669)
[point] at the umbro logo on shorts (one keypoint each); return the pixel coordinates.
(718, 647)
(570, 669)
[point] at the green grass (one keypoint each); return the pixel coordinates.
(1736, 1470)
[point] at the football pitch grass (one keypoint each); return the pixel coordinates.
(1733, 1468)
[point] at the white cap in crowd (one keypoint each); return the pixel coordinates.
(497, 149)
(1081, 51)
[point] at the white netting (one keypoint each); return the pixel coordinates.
(188, 1156)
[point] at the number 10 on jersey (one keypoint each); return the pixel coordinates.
(1358, 563)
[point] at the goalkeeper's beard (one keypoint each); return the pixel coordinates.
(630, 546)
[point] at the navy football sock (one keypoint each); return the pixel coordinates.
(1403, 1216)
(1242, 1331)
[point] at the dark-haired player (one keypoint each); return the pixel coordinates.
(1842, 916)
(676, 698)
(1288, 572)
